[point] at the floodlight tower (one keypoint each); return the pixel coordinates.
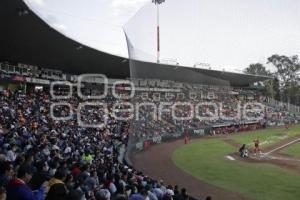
(157, 3)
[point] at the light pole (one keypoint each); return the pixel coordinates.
(202, 64)
(157, 2)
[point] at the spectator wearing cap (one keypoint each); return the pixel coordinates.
(103, 194)
(75, 170)
(18, 189)
(168, 195)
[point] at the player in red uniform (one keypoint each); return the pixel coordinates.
(186, 137)
(287, 126)
(256, 146)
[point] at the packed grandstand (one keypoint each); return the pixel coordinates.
(59, 157)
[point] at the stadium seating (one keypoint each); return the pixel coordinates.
(52, 145)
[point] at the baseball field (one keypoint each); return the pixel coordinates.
(212, 166)
(273, 175)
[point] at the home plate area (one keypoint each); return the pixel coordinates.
(272, 155)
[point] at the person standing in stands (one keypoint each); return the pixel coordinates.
(40, 176)
(58, 190)
(183, 195)
(6, 173)
(87, 157)
(18, 189)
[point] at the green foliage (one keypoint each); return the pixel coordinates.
(287, 68)
(285, 85)
(257, 69)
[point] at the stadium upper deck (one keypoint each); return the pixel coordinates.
(25, 38)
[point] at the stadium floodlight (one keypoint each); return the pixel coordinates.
(202, 65)
(157, 3)
(170, 61)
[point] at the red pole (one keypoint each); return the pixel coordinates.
(158, 39)
(158, 44)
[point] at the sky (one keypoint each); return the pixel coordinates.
(227, 34)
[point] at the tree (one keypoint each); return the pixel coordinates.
(287, 69)
(257, 69)
(269, 85)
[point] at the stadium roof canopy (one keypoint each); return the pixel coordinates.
(235, 79)
(25, 38)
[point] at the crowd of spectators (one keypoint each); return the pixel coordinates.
(227, 117)
(41, 158)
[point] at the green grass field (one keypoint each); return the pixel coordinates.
(267, 137)
(205, 160)
(293, 150)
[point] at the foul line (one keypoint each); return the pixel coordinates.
(230, 157)
(282, 158)
(294, 141)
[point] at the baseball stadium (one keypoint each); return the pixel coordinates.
(78, 120)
